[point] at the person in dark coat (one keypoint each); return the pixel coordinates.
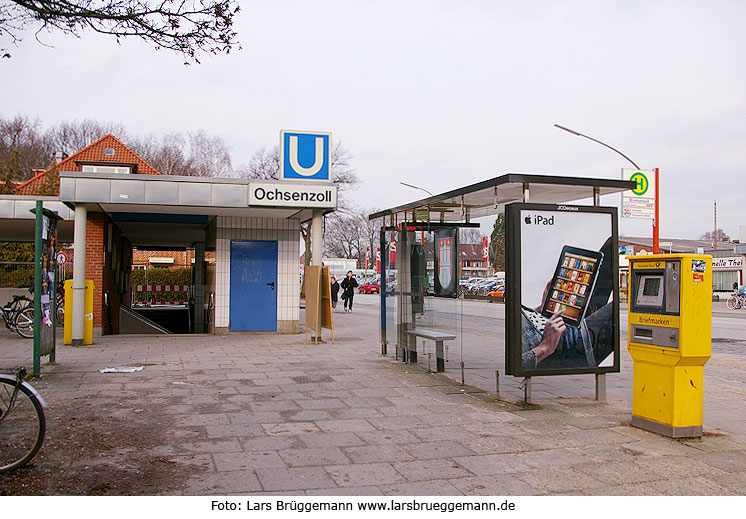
(335, 291)
(349, 284)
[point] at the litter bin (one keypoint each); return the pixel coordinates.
(88, 313)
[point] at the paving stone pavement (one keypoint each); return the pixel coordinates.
(273, 414)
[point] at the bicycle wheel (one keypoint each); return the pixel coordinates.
(22, 425)
(60, 315)
(733, 302)
(24, 324)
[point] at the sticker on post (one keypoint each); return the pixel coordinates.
(698, 277)
(699, 266)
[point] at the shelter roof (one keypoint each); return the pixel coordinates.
(490, 196)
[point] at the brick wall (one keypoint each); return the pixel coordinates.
(181, 257)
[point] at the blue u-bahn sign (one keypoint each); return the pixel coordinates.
(305, 155)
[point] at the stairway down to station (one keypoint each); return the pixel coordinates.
(132, 322)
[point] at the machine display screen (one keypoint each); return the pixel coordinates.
(650, 290)
(652, 286)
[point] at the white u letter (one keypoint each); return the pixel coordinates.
(318, 160)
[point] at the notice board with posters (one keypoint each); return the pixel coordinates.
(446, 262)
(318, 301)
(562, 297)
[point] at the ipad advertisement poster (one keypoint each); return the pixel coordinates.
(564, 307)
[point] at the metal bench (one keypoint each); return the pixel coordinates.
(439, 338)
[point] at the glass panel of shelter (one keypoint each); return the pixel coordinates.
(411, 303)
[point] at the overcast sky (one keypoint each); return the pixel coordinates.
(442, 94)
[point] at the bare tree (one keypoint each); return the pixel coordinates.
(342, 236)
(264, 164)
(710, 235)
(72, 136)
(470, 235)
(23, 147)
(209, 155)
(188, 27)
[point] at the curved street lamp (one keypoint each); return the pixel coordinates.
(656, 248)
(416, 187)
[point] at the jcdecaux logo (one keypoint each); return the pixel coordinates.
(305, 155)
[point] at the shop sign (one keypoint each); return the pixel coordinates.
(729, 263)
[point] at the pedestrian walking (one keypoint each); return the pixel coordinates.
(349, 284)
(335, 291)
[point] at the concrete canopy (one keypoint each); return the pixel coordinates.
(17, 222)
(178, 208)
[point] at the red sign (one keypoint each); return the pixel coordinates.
(485, 248)
(378, 260)
(392, 252)
(367, 257)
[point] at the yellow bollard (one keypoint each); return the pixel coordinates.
(88, 313)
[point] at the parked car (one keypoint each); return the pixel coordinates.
(498, 292)
(370, 288)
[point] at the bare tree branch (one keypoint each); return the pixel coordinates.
(188, 27)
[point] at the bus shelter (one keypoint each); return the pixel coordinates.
(425, 316)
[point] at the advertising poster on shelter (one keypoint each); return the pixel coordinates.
(446, 262)
(564, 309)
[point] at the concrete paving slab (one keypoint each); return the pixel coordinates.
(343, 420)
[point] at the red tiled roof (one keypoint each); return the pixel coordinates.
(93, 153)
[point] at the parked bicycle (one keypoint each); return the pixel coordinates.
(18, 316)
(22, 422)
(60, 304)
(735, 301)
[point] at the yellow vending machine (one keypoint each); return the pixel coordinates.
(669, 338)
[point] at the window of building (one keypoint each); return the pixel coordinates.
(106, 169)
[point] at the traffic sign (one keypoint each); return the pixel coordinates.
(305, 156)
(61, 258)
(639, 202)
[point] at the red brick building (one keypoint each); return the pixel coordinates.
(107, 252)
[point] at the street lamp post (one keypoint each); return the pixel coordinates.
(422, 235)
(656, 248)
(417, 187)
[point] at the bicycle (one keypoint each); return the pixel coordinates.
(22, 422)
(60, 305)
(18, 316)
(735, 301)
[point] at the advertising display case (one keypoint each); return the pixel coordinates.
(562, 301)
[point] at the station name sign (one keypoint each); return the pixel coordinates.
(280, 194)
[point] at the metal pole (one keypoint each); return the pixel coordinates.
(599, 142)
(37, 287)
(527, 395)
(78, 317)
(600, 377)
(601, 387)
(656, 221)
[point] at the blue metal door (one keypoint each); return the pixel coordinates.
(253, 286)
